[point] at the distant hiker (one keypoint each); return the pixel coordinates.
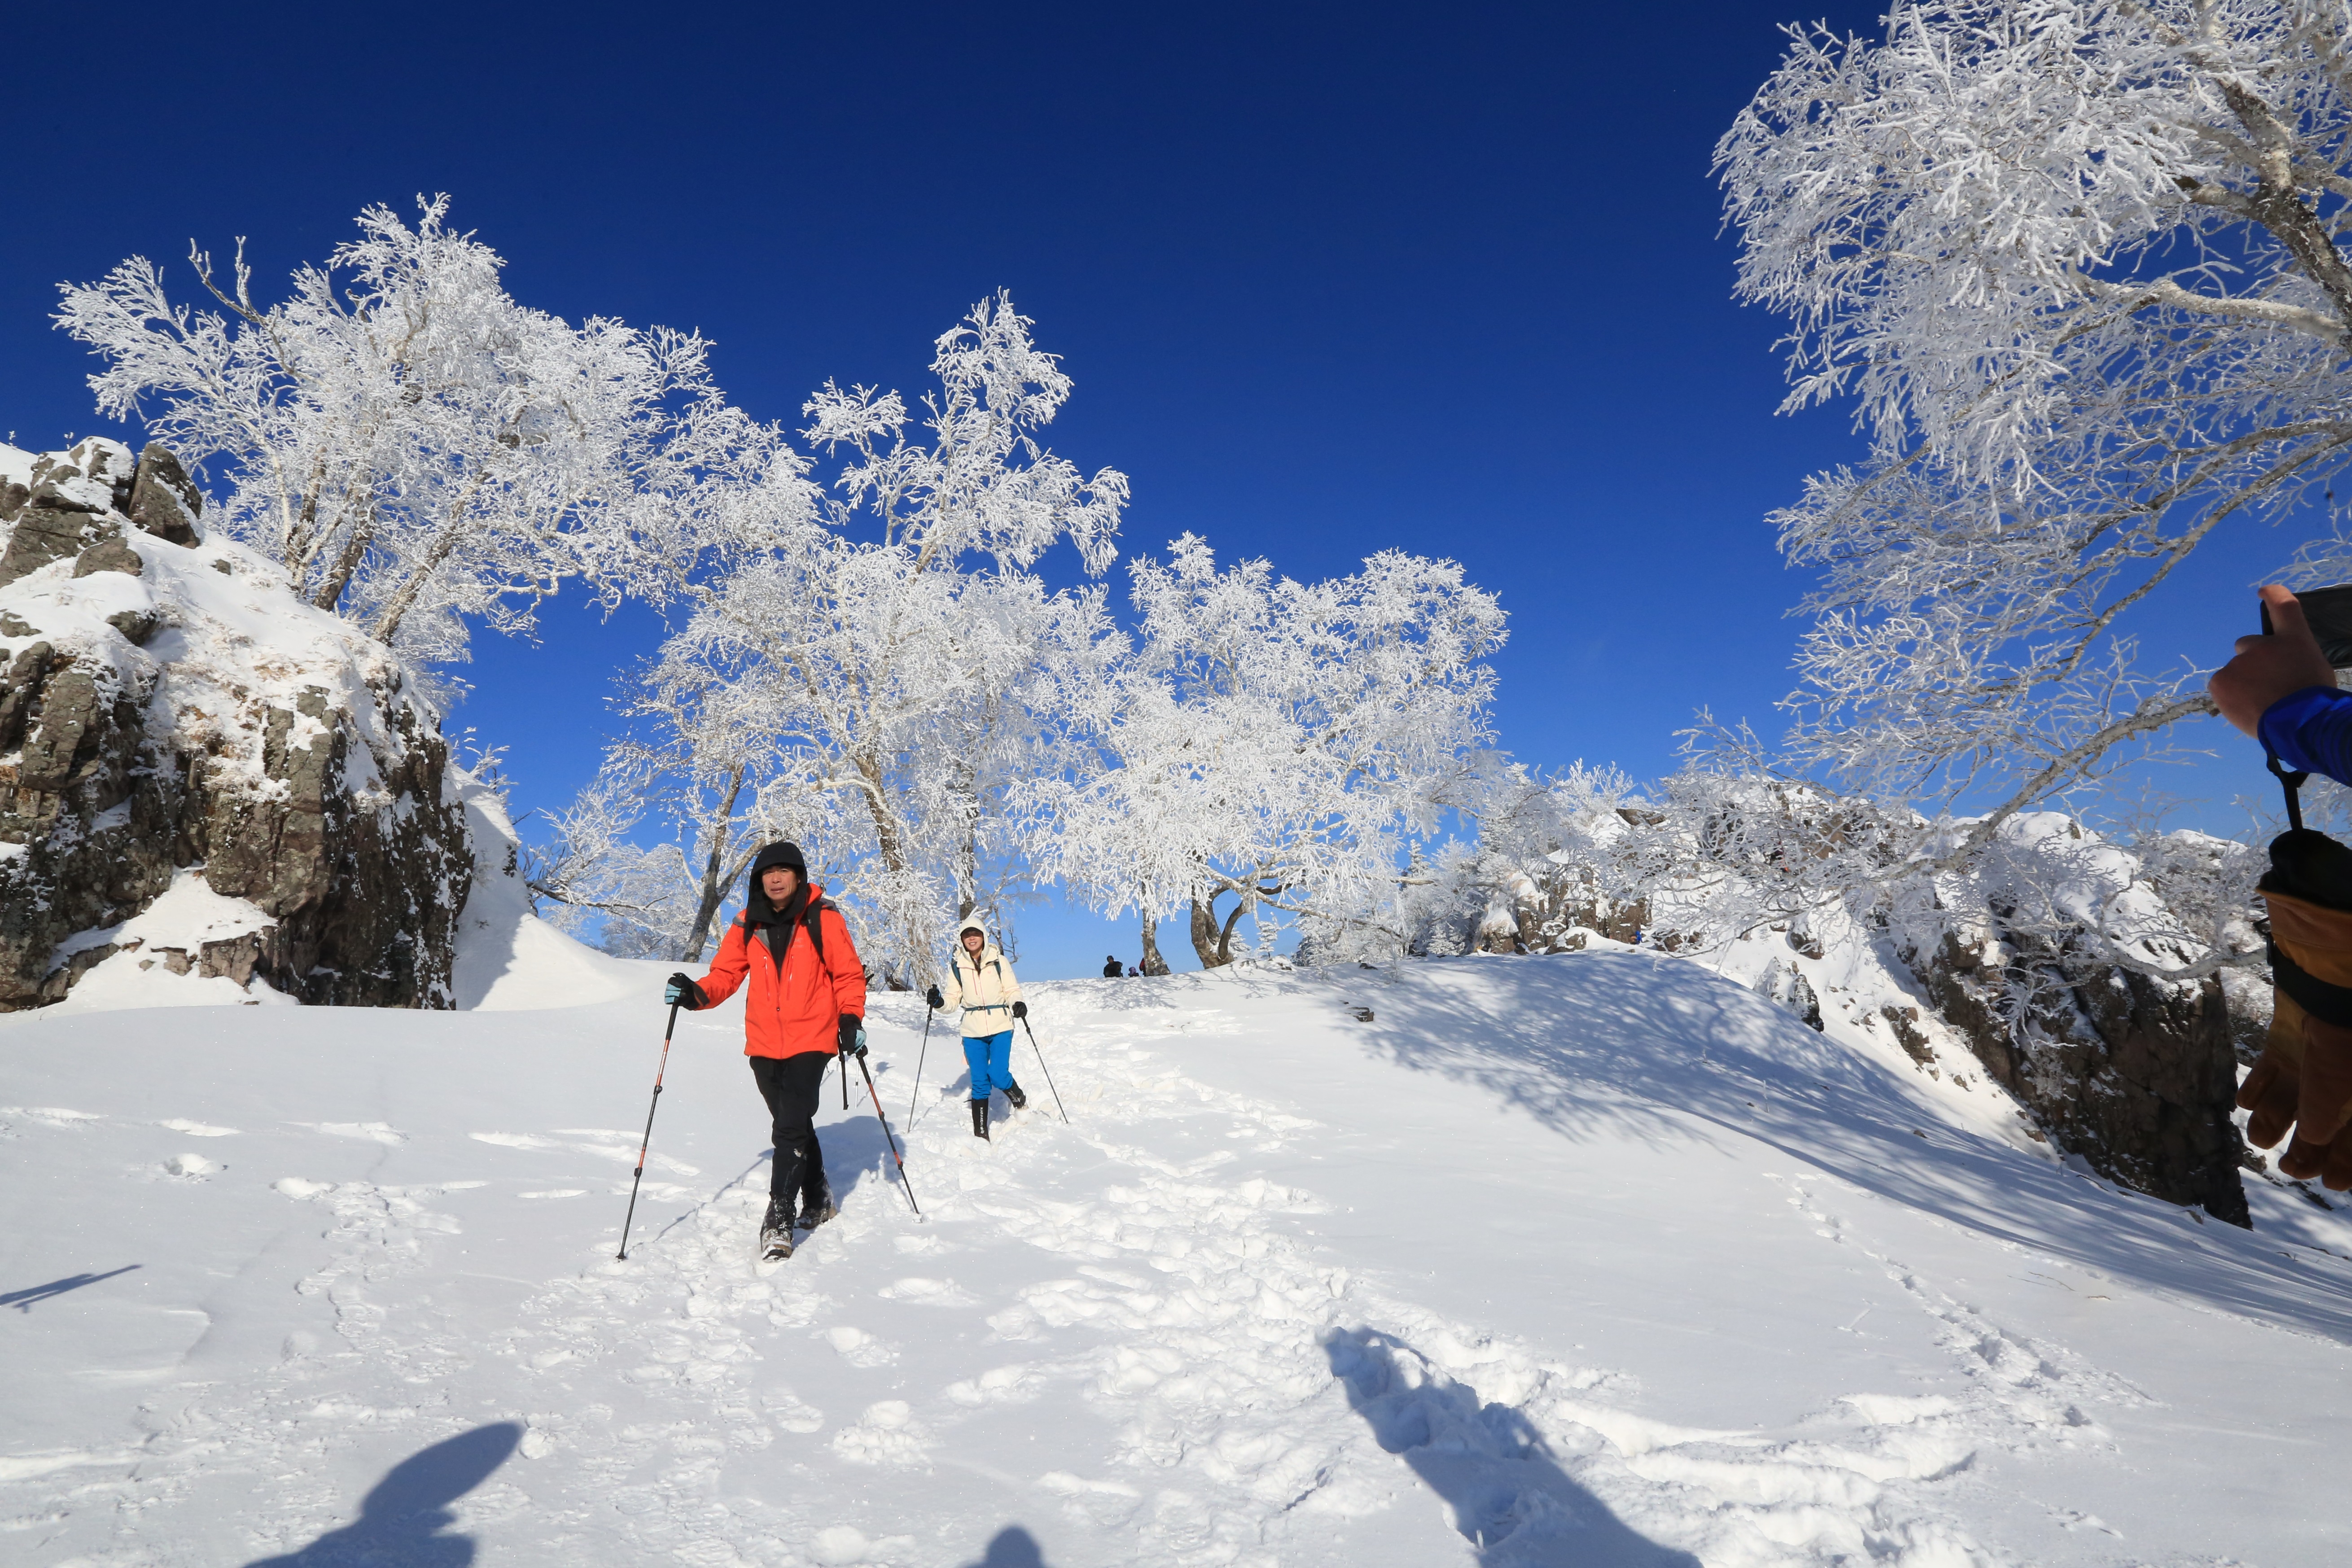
(1132, 974)
(807, 1006)
(990, 996)
(1111, 966)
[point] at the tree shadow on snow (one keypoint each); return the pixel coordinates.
(1013, 1547)
(404, 1519)
(1507, 1494)
(1661, 1050)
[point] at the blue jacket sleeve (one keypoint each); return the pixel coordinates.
(2310, 731)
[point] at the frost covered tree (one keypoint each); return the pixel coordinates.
(2080, 267)
(1278, 743)
(416, 447)
(891, 661)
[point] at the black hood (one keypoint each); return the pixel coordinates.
(755, 901)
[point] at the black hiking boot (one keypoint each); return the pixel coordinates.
(815, 1213)
(1020, 1100)
(776, 1230)
(980, 1118)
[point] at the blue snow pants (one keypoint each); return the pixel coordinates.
(991, 1059)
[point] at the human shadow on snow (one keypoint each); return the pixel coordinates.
(1664, 1051)
(1509, 1495)
(1013, 1547)
(404, 1518)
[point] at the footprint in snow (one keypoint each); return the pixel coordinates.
(373, 1131)
(928, 1292)
(197, 1129)
(887, 1433)
(859, 1348)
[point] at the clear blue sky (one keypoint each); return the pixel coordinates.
(1329, 280)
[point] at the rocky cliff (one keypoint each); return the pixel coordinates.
(201, 777)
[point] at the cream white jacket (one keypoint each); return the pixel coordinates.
(985, 987)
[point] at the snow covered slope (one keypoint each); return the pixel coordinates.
(506, 958)
(1589, 1258)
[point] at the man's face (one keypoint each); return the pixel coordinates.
(778, 882)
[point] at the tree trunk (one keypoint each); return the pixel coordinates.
(1152, 963)
(1225, 937)
(714, 886)
(1204, 932)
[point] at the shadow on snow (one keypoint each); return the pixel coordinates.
(404, 1518)
(1013, 1547)
(1510, 1497)
(23, 1300)
(1662, 1050)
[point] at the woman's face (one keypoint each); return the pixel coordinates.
(973, 941)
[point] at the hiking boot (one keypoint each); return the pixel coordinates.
(980, 1118)
(1020, 1100)
(816, 1213)
(776, 1230)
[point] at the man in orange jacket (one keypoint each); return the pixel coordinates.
(806, 1006)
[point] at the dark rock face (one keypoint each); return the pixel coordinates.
(307, 780)
(2138, 1075)
(163, 500)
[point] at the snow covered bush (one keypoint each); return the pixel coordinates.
(2080, 265)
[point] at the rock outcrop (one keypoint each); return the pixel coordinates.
(2135, 1075)
(170, 711)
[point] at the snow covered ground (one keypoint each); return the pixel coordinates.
(1593, 1259)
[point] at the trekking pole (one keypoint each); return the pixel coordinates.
(919, 1057)
(658, 1073)
(1046, 1071)
(905, 1186)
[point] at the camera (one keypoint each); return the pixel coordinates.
(2328, 612)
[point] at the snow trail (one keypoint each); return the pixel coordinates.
(1287, 1289)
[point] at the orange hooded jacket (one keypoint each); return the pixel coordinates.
(796, 1005)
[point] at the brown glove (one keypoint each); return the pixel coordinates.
(2303, 1078)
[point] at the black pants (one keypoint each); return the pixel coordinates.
(788, 1085)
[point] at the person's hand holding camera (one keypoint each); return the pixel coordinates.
(2270, 665)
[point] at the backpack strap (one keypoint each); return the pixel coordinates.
(813, 919)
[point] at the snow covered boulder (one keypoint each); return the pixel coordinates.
(171, 714)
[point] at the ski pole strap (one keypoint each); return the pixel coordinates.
(2291, 783)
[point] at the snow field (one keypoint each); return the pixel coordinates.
(1589, 1258)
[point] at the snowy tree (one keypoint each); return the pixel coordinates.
(415, 446)
(891, 663)
(2080, 267)
(1279, 744)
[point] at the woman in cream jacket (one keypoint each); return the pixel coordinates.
(989, 996)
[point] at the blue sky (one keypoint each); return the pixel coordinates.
(1329, 280)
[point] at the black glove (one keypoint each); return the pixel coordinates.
(934, 999)
(853, 1035)
(1021, 1009)
(682, 992)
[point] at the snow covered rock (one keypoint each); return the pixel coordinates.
(2012, 962)
(171, 712)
